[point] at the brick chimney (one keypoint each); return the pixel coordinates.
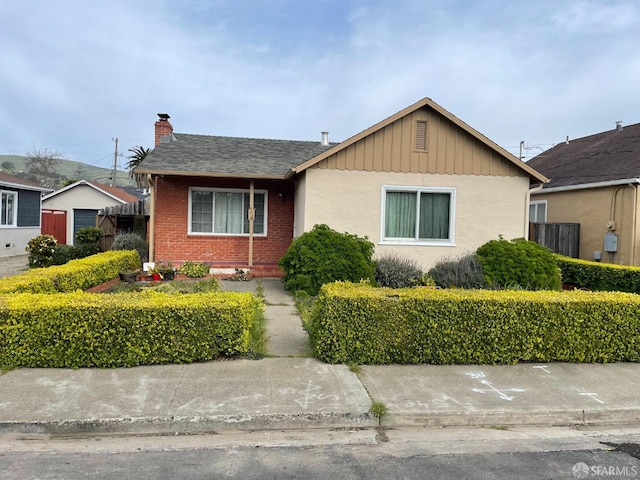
(163, 127)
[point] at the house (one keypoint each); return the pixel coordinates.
(75, 206)
(421, 183)
(20, 215)
(594, 183)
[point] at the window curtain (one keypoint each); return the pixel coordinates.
(400, 215)
(8, 201)
(228, 212)
(434, 215)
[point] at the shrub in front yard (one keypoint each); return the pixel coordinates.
(599, 276)
(323, 255)
(78, 329)
(519, 264)
(459, 272)
(396, 271)
(194, 269)
(354, 323)
(41, 251)
(131, 241)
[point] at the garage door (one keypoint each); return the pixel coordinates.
(83, 218)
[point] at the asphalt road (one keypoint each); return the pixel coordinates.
(336, 455)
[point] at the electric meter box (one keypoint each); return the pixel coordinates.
(611, 242)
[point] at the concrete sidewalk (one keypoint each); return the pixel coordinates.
(297, 392)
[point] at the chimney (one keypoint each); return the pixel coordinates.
(618, 126)
(325, 139)
(163, 127)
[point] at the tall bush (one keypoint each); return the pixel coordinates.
(519, 263)
(323, 255)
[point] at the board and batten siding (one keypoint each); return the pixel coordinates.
(398, 147)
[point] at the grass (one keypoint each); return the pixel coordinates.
(378, 410)
(258, 337)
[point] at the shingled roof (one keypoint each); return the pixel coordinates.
(207, 155)
(609, 156)
(13, 181)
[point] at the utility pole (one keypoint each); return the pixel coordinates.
(115, 163)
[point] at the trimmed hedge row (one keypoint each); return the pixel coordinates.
(599, 276)
(76, 275)
(364, 325)
(123, 330)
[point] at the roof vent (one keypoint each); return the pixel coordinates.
(618, 125)
(325, 139)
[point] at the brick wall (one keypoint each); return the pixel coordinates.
(173, 243)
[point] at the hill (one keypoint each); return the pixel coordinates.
(67, 170)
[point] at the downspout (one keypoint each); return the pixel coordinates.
(633, 224)
(527, 198)
(252, 216)
(152, 217)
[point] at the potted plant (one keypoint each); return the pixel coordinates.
(154, 273)
(166, 270)
(129, 275)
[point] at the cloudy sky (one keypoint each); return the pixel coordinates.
(75, 73)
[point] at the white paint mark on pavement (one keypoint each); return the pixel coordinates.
(476, 374)
(500, 393)
(592, 395)
(542, 367)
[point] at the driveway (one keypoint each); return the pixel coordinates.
(13, 265)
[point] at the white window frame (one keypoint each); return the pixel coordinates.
(449, 242)
(536, 204)
(14, 220)
(226, 190)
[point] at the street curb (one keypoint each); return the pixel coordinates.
(191, 425)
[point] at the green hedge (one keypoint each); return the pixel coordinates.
(76, 275)
(360, 324)
(122, 330)
(605, 277)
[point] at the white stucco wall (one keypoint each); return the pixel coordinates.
(13, 241)
(79, 197)
(350, 201)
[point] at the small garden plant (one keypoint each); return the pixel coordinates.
(41, 251)
(193, 269)
(131, 241)
(396, 271)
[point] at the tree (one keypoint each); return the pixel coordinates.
(41, 166)
(138, 154)
(8, 166)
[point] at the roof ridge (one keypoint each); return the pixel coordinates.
(252, 138)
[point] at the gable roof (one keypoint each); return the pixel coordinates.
(425, 102)
(115, 193)
(9, 180)
(208, 155)
(203, 155)
(609, 157)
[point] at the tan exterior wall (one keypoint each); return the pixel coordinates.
(80, 197)
(351, 201)
(299, 204)
(593, 208)
(449, 150)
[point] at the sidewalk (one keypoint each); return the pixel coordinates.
(292, 391)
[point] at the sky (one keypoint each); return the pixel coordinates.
(75, 74)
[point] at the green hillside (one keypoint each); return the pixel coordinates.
(67, 169)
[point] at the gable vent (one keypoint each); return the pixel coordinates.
(421, 135)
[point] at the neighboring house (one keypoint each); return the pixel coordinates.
(421, 183)
(594, 182)
(75, 206)
(20, 215)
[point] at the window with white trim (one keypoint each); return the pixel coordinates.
(9, 214)
(419, 215)
(538, 211)
(226, 211)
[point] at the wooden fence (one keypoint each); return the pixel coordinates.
(562, 238)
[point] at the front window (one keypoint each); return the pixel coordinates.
(225, 212)
(538, 211)
(9, 209)
(418, 215)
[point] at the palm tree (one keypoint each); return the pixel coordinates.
(138, 155)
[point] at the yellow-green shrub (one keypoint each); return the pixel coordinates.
(120, 330)
(360, 324)
(76, 275)
(599, 276)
